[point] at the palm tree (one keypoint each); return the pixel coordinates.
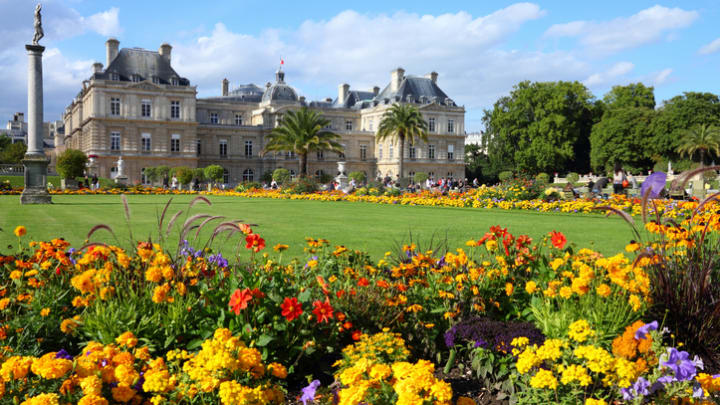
(701, 139)
(302, 132)
(404, 122)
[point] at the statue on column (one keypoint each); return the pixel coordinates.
(38, 26)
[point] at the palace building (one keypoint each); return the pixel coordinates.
(138, 107)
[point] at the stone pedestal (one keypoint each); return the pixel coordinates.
(121, 180)
(342, 178)
(35, 161)
(35, 191)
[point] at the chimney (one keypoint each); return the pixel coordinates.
(396, 77)
(343, 90)
(111, 50)
(432, 76)
(225, 87)
(165, 50)
(376, 90)
(97, 67)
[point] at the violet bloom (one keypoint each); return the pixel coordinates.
(627, 394)
(480, 343)
(698, 391)
(641, 386)
(643, 330)
(678, 362)
(308, 393)
(63, 354)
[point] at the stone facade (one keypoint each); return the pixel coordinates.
(138, 107)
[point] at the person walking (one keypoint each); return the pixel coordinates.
(166, 181)
(94, 182)
(618, 179)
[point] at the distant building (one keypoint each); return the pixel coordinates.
(140, 108)
(17, 130)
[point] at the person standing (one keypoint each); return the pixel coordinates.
(618, 179)
(166, 181)
(94, 182)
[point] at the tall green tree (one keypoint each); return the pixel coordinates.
(404, 123)
(13, 153)
(675, 116)
(701, 139)
(542, 127)
(302, 132)
(633, 95)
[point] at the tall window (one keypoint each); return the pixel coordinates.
(292, 174)
(431, 175)
(391, 152)
(174, 109)
(238, 119)
(431, 125)
(175, 143)
(348, 125)
(223, 148)
(248, 175)
(320, 155)
(248, 148)
(114, 140)
(451, 152)
(114, 77)
(370, 124)
(214, 118)
(290, 155)
(363, 152)
(135, 78)
(146, 142)
(431, 151)
(451, 126)
(413, 153)
(114, 106)
(226, 176)
(450, 175)
(198, 147)
(143, 177)
(341, 155)
(380, 152)
(146, 108)
(411, 174)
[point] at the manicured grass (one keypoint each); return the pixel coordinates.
(371, 227)
(19, 181)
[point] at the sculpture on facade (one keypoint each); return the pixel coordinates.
(38, 26)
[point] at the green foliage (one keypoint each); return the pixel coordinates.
(199, 173)
(420, 177)
(701, 139)
(623, 135)
(4, 141)
(163, 170)
(13, 153)
(302, 132)
(505, 176)
(679, 114)
(303, 185)
(281, 175)
(184, 174)
(324, 178)
(71, 164)
(477, 165)
(358, 176)
(266, 177)
(572, 177)
(214, 173)
(152, 174)
(633, 95)
(542, 178)
(403, 122)
(542, 126)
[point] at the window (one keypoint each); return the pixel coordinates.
(135, 78)
(114, 106)
(391, 152)
(431, 151)
(156, 80)
(451, 152)
(431, 125)
(238, 119)
(320, 155)
(412, 151)
(450, 175)
(223, 148)
(146, 142)
(144, 178)
(214, 118)
(319, 173)
(370, 124)
(411, 175)
(363, 152)
(380, 152)
(114, 140)
(292, 173)
(348, 125)
(451, 126)
(248, 175)
(290, 155)
(175, 143)
(174, 81)
(114, 76)
(146, 108)
(198, 147)
(174, 109)
(431, 175)
(226, 176)
(248, 148)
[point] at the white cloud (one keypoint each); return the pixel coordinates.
(661, 77)
(105, 23)
(610, 76)
(712, 47)
(646, 26)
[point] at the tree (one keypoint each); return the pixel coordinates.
(404, 122)
(13, 153)
(214, 173)
(623, 135)
(302, 132)
(281, 175)
(634, 95)
(183, 174)
(358, 176)
(4, 141)
(703, 139)
(676, 115)
(542, 127)
(71, 164)
(476, 162)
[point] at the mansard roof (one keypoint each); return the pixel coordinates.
(146, 64)
(415, 89)
(354, 99)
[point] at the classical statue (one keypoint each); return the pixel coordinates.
(38, 26)
(120, 165)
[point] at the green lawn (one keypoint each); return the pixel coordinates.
(371, 227)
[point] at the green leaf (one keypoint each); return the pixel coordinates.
(263, 340)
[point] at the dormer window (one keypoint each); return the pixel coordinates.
(114, 76)
(135, 78)
(174, 81)
(155, 80)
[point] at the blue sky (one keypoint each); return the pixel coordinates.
(479, 48)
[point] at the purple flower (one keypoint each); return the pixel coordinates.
(308, 393)
(643, 330)
(103, 363)
(480, 343)
(641, 386)
(698, 391)
(63, 354)
(627, 394)
(678, 362)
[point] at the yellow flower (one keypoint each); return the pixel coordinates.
(566, 292)
(44, 312)
(509, 289)
(20, 231)
(603, 290)
(579, 331)
(530, 287)
(544, 379)
(127, 339)
(592, 401)
(15, 275)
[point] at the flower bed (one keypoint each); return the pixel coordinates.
(541, 321)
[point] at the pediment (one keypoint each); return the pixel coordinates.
(144, 86)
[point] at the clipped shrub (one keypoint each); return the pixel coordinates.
(199, 173)
(303, 185)
(214, 173)
(184, 174)
(281, 175)
(420, 177)
(324, 178)
(505, 175)
(266, 177)
(542, 178)
(359, 177)
(572, 177)
(152, 174)
(163, 170)
(71, 164)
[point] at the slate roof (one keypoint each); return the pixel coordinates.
(415, 89)
(146, 64)
(249, 93)
(354, 98)
(279, 91)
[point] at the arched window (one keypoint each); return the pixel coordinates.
(143, 177)
(292, 173)
(319, 173)
(226, 176)
(248, 175)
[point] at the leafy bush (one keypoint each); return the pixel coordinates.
(214, 173)
(542, 178)
(420, 177)
(247, 186)
(266, 177)
(71, 164)
(163, 170)
(303, 185)
(358, 176)
(281, 175)
(184, 174)
(324, 178)
(572, 177)
(505, 175)
(199, 173)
